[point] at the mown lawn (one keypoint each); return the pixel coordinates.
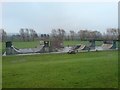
(81, 70)
(98, 43)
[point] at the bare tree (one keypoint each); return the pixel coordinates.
(72, 34)
(112, 33)
(94, 35)
(83, 34)
(57, 38)
(68, 37)
(33, 34)
(3, 35)
(53, 33)
(89, 35)
(22, 34)
(27, 34)
(63, 33)
(58, 33)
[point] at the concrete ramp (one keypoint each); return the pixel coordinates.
(82, 47)
(107, 46)
(77, 47)
(28, 50)
(65, 49)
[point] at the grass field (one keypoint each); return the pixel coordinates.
(98, 43)
(84, 70)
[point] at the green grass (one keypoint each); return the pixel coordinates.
(81, 70)
(98, 43)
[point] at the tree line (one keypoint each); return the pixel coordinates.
(26, 34)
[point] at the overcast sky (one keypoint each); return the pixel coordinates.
(45, 16)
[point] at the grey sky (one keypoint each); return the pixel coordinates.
(45, 16)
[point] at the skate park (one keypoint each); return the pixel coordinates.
(47, 46)
(60, 45)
